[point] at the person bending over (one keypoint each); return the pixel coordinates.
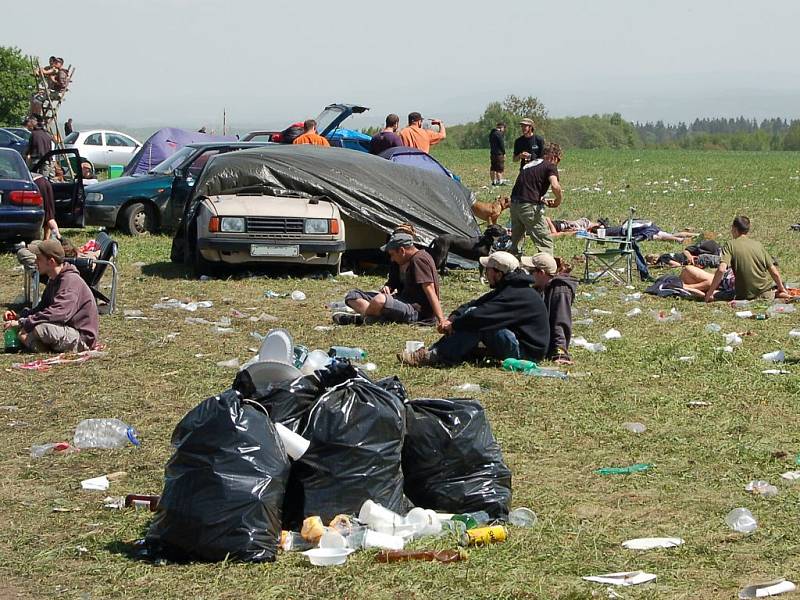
(511, 321)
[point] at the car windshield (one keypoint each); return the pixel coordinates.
(166, 167)
(326, 117)
(70, 139)
(12, 168)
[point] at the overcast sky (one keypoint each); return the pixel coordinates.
(180, 62)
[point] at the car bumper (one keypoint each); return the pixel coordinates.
(105, 216)
(317, 252)
(25, 226)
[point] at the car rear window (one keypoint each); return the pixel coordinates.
(11, 168)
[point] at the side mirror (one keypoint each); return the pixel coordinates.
(178, 172)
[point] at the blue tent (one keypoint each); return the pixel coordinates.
(163, 144)
(414, 157)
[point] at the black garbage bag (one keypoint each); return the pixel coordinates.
(223, 486)
(394, 385)
(356, 431)
(287, 402)
(451, 460)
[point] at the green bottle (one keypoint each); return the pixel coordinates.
(519, 365)
(11, 339)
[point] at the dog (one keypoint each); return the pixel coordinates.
(471, 248)
(491, 211)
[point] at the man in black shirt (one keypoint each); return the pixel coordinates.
(39, 144)
(497, 154)
(528, 146)
(528, 202)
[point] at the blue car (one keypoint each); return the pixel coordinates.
(12, 141)
(21, 206)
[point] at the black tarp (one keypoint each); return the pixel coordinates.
(366, 188)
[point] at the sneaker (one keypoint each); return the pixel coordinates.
(503, 182)
(418, 358)
(18, 247)
(344, 318)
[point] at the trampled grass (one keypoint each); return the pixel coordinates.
(554, 434)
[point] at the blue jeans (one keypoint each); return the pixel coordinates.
(460, 345)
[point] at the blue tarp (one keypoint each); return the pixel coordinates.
(164, 143)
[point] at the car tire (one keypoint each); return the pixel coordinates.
(138, 219)
(201, 266)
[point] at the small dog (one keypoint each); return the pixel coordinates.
(491, 211)
(471, 248)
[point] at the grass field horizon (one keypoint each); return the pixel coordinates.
(554, 434)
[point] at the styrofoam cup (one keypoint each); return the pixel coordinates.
(295, 445)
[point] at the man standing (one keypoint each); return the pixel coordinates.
(65, 320)
(528, 146)
(415, 136)
(528, 201)
(410, 295)
(497, 154)
(387, 137)
(39, 144)
(68, 127)
(752, 265)
(511, 320)
(310, 135)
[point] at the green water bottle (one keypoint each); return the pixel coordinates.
(518, 365)
(11, 339)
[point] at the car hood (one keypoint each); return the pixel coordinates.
(132, 182)
(270, 206)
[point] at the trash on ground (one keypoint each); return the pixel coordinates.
(298, 296)
(468, 388)
(634, 312)
(583, 322)
(600, 311)
(60, 448)
(347, 274)
(347, 352)
(581, 342)
(96, 483)
(791, 475)
(635, 427)
(414, 345)
(733, 339)
(745, 314)
(768, 588)
(264, 317)
(761, 488)
(625, 578)
(142, 501)
(740, 303)
(781, 309)
(104, 433)
(442, 556)
(324, 328)
(44, 364)
(776, 372)
(271, 294)
(369, 367)
(651, 543)
(713, 328)
(727, 349)
(794, 333)
(216, 329)
(686, 358)
(612, 334)
(776, 356)
(172, 304)
(233, 363)
(662, 316)
(636, 468)
(635, 297)
(698, 404)
(522, 517)
(294, 444)
(483, 536)
(741, 520)
(326, 557)
(114, 502)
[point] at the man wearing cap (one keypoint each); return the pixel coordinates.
(528, 146)
(410, 295)
(415, 136)
(558, 291)
(511, 320)
(65, 320)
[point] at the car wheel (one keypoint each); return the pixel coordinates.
(201, 266)
(138, 219)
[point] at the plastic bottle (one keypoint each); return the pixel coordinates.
(347, 352)
(519, 365)
(522, 517)
(104, 433)
(762, 488)
(444, 556)
(553, 373)
(11, 340)
(291, 541)
(741, 520)
(61, 447)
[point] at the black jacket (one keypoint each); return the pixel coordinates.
(558, 298)
(514, 305)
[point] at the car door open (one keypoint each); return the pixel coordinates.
(68, 192)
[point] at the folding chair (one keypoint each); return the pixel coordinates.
(608, 258)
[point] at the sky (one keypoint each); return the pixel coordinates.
(182, 62)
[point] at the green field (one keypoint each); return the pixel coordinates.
(554, 433)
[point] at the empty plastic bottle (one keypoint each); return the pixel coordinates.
(522, 517)
(347, 352)
(519, 365)
(741, 520)
(104, 433)
(11, 340)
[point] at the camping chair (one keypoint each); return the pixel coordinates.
(597, 250)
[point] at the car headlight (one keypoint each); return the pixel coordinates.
(315, 226)
(232, 224)
(94, 197)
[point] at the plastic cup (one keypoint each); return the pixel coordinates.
(414, 345)
(601, 232)
(379, 517)
(295, 445)
(332, 539)
(376, 539)
(355, 539)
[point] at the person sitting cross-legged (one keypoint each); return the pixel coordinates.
(511, 321)
(65, 320)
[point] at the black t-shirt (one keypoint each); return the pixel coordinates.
(533, 182)
(39, 144)
(497, 145)
(533, 144)
(420, 269)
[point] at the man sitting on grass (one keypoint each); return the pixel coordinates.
(65, 320)
(511, 321)
(410, 295)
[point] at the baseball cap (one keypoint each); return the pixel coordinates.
(50, 249)
(541, 261)
(398, 240)
(527, 122)
(502, 261)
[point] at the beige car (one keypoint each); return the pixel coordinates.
(249, 228)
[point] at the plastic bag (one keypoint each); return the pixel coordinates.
(223, 486)
(451, 460)
(356, 431)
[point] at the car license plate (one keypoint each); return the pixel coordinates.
(270, 250)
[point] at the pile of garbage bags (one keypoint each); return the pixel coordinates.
(230, 488)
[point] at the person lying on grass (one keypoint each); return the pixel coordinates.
(511, 321)
(705, 254)
(646, 231)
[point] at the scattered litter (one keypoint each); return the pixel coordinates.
(44, 364)
(581, 342)
(637, 468)
(745, 314)
(794, 333)
(776, 372)
(599, 311)
(469, 388)
(522, 517)
(776, 356)
(60, 447)
(583, 322)
(612, 334)
(96, 483)
(698, 404)
(634, 312)
(651, 543)
(229, 364)
(141, 501)
(324, 328)
(741, 520)
(171, 304)
(369, 367)
(104, 433)
(663, 316)
(686, 358)
(271, 294)
(298, 296)
(326, 557)
(197, 321)
(761, 488)
(733, 339)
(263, 317)
(713, 328)
(791, 475)
(221, 330)
(625, 578)
(9, 408)
(132, 314)
(114, 502)
(632, 297)
(740, 303)
(781, 309)
(635, 427)
(724, 348)
(769, 588)
(347, 274)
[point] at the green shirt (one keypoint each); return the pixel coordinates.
(750, 263)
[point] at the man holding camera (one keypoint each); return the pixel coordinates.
(415, 136)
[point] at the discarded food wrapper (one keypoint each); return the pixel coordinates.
(651, 543)
(776, 356)
(724, 348)
(741, 520)
(229, 364)
(612, 334)
(768, 588)
(744, 314)
(347, 274)
(635, 297)
(114, 502)
(625, 578)
(762, 488)
(662, 316)
(96, 483)
(324, 328)
(583, 322)
(599, 311)
(271, 294)
(733, 339)
(634, 312)
(791, 475)
(794, 333)
(469, 388)
(776, 372)
(698, 404)
(312, 529)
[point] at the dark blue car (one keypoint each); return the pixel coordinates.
(21, 210)
(13, 141)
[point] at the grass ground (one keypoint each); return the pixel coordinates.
(554, 434)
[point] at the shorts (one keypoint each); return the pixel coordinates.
(497, 163)
(394, 311)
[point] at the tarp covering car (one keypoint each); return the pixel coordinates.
(366, 188)
(164, 143)
(414, 157)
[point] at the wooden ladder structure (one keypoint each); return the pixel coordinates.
(51, 100)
